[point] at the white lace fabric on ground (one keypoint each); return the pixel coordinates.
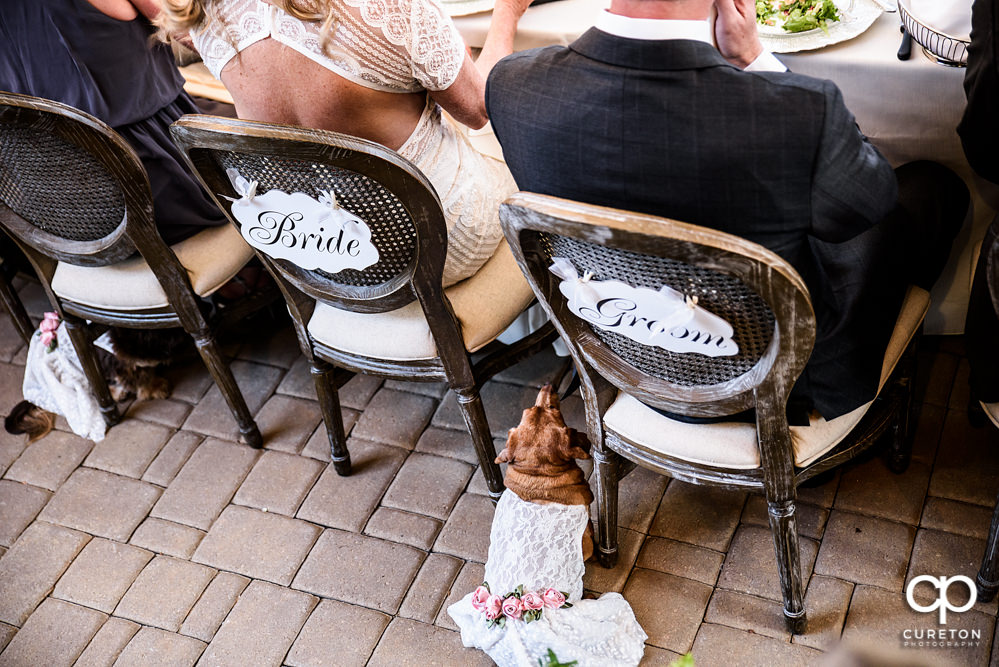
(540, 546)
(400, 46)
(55, 381)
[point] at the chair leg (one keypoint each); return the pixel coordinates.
(605, 467)
(329, 403)
(901, 431)
(988, 577)
(80, 339)
(475, 419)
(218, 366)
(785, 533)
(15, 309)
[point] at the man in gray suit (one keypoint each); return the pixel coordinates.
(643, 112)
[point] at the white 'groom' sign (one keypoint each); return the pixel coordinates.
(663, 318)
(309, 233)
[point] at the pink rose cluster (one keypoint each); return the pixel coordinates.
(518, 604)
(47, 330)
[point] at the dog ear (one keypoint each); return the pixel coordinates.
(579, 444)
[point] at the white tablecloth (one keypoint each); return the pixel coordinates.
(909, 109)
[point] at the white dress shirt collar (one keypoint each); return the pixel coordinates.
(632, 28)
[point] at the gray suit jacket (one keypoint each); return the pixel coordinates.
(670, 128)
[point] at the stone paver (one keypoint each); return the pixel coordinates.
(638, 498)
(7, 633)
(278, 482)
(681, 559)
(11, 446)
(967, 468)
(129, 447)
(826, 602)
(430, 587)
(278, 349)
(935, 553)
(108, 643)
(504, 405)
(205, 484)
(212, 416)
(360, 570)
(101, 574)
(101, 503)
(167, 537)
(751, 566)
(469, 578)
(164, 593)
(668, 608)
(956, 517)
(722, 645)
(165, 411)
(286, 423)
(870, 488)
(172, 458)
(318, 445)
(395, 418)
(865, 550)
(337, 635)
(748, 612)
(213, 605)
(357, 393)
(49, 461)
(428, 485)
(603, 580)
(447, 442)
(811, 520)
(409, 643)
(257, 544)
(19, 504)
(298, 381)
(374, 466)
(31, 567)
(431, 389)
(466, 533)
(398, 526)
(264, 623)
(152, 646)
(56, 634)
(701, 515)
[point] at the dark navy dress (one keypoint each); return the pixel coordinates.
(68, 51)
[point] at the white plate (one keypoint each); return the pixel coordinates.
(466, 7)
(856, 17)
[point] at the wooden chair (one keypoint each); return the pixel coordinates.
(76, 199)
(392, 319)
(988, 575)
(768, 306)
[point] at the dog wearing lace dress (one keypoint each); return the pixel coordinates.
(531, 599)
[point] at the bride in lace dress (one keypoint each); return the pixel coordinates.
(377, 69)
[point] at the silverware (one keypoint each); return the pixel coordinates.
(887, 5)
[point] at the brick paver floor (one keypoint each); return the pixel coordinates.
(169, 543)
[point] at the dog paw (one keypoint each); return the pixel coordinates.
(120, 391)
(156, 387)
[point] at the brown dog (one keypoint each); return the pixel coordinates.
(542, 453)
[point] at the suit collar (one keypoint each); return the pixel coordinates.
(669, 54)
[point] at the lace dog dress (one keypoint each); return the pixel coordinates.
(539, 547)
(398, 46)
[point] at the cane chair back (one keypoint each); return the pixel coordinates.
(72, 191)
(988, 575)
(407, 224)
(768, 306)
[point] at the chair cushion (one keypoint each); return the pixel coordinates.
(485, 304)
(991, 411)
(733, 444)
(212, 257)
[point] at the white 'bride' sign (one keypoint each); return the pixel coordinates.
(309, 233)
(663, 318)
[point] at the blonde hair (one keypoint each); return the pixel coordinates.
(182, 16)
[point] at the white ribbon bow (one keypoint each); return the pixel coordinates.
(583, 295)
(246, 190)
(683, 310)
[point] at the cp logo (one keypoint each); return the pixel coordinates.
(942, 602)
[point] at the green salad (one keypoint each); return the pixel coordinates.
(796, 15)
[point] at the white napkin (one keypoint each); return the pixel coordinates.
(950, 17)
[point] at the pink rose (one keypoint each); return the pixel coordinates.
(512, 607)
(532, 601)
(47, 338)
(553, 598)
(479, 598)
(50, 322)
(494, 607)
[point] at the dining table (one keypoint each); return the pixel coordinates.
(909, 109)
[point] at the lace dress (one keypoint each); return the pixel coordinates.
(539, 546)
(399, 46)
